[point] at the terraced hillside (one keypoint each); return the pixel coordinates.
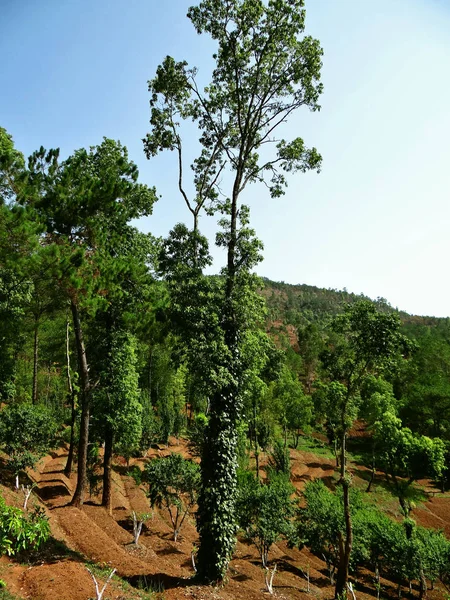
(91, 535)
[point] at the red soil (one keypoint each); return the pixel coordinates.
(93, 535)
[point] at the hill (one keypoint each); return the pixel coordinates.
(294, 306)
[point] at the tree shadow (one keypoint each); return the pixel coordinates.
(92, 503)
(168, 550)
(50, 492)
(241, 577)
(284, 565)
(127, 524)
(51, 552)
(323, 466)
(122, 469)
(54, 472)
(158, 582)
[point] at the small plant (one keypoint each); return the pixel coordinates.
(193, 555)
(377, 582)
(270, 574)
(138, 522)
(350, 589)
(19, 532)
(265, 512)
(27, 493)
(174, 482)
(279, 461)
(99, 591)
(27, 434)
(306, 576)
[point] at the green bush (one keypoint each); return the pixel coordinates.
(136, 473)
(402, 551)
(20, 531)
(174, 482)
(279, 462)
(197, 432)
(265, 511)
(26, 433)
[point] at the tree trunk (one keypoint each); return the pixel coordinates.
(372, 475)
(69, 463)
(34, 395)
(255, 431)
(345, 545)
(71, 392)
(83, 370)
(107, 469)
(216, 512)
(422, 584)
(217, 500)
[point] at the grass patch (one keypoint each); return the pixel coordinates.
(102, 572)
(308, 443)
(5, 595)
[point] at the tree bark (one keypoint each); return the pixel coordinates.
(71, 392)
(372, 475)
(69, 463)
(422, 584)
(35, 360)
(107, 469)
(345, 545)
(83, 370)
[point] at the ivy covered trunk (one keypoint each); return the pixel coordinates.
(216, 513)
(263, 72)
(69, 463)
(217, 524)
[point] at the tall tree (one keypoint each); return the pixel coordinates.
(263, 72)
(85, 204)
(18, 244)
(363, 341)
(406, 457)
(117, 404)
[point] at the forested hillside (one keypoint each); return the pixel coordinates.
(299, 316)
(189, 430)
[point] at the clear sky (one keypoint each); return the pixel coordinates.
(376, 220)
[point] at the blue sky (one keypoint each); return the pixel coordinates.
(376, 220)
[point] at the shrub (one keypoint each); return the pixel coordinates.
(174, 483)
(279, 462)
(19, 531)
(400, 550)
(265, 511)
(26, 432)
